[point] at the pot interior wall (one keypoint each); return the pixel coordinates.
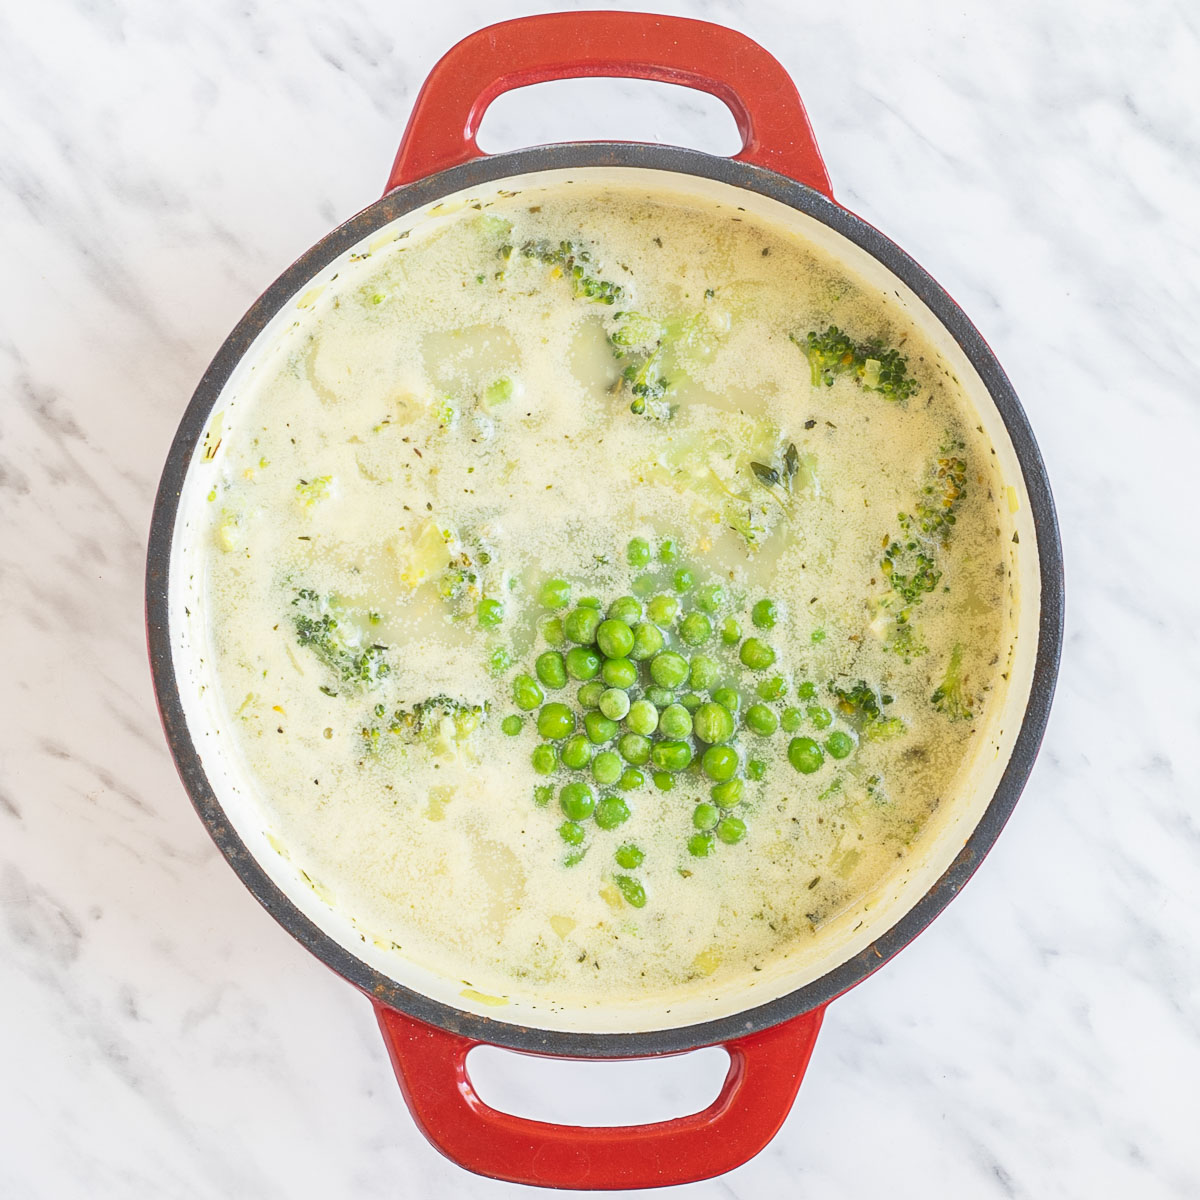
(209, 720)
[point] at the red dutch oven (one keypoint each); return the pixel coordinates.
(769, 1041)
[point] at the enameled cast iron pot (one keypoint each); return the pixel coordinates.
(428, 1026)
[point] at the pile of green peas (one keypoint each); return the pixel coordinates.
(655, 685)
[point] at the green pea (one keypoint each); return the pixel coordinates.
(551, 669)
(576, 801)
(822, 718)
(614, 638)
(774, 688)
(576, 752)
(671, 756)
(660, 697)
(720, 763)
(663, 780)
(627, 609)
(756, 654)
(668, 669)
(675, 721)
(713, 723)
(818, 636)
(629, 856)
(606, 770)
(643, 585)
(806, 691)
(839, 744)
(499, 661)
(695, 629)
(647, 641)
(642, 717)
(706, 816)
(490, 612)
(791, 720)
(704, 672)
(619, 672)
(691, 701)
(761, 720)
(683, 580)
(662, 609)
(599, 728)
(527, 692)
(555, 721)
(637, 553)
(572, 833)
(731, 632)
(631, 779)
(581, 624)
(611, 812)
(756, 769)
(764, 614)
(728, 699)
(614, 704)
(544, 759)
(731, 830)
(552, 632)
(555, 594)
(590, 602)
(543, 794)
(583, 663)
(634, 893)
(668, 550)
(589, 695)
(512, 726)
(634, 748)
(727, 794)
(805, 755)
(710, 598)
(700, 845)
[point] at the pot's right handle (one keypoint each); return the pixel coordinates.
(759, 92)
(765, 1070)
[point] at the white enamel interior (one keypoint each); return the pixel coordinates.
(844, 936)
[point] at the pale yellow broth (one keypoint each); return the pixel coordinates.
(448, 400)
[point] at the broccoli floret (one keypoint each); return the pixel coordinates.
(323, 627)
(934, 513)
(577, 265)
(440, 722)
(638, 343)
(829, 354)
(860, 703)
(910, 570)
(875, 367)
(950, 697)
(909, 562)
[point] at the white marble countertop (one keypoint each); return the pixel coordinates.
(160, 1036)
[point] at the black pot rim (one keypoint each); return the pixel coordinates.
(570, 1043)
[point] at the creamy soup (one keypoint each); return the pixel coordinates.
(605, 592)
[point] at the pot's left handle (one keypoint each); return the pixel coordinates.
(765, 1070)
(697, 54)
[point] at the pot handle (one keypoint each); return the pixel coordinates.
(765, 1070)
(697, 54)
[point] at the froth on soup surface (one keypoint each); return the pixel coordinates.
(605, 592)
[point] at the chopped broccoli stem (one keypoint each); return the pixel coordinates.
(323, 627)
(873, 366)
(950, 697)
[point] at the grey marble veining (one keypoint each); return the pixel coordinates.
(160, 164)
